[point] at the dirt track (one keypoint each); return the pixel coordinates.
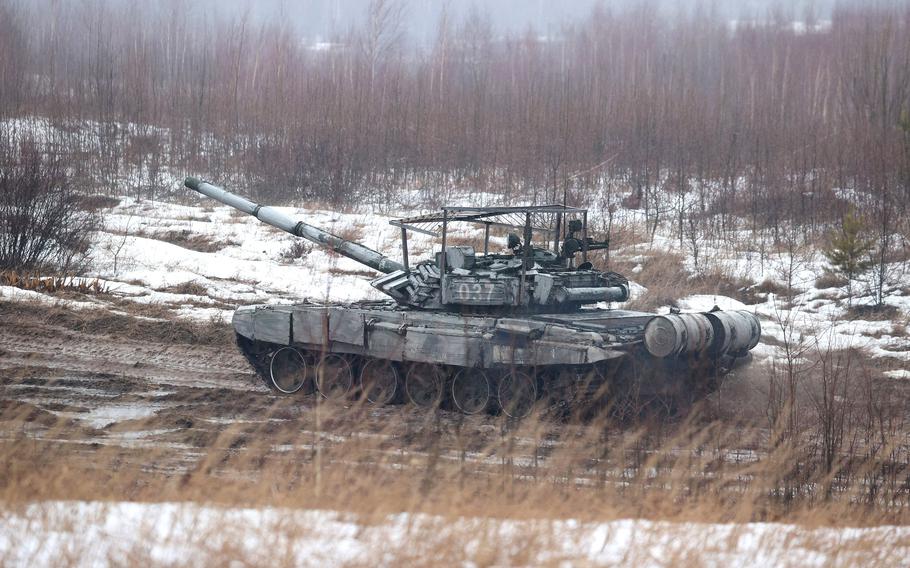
(85, 389)
(149, 362)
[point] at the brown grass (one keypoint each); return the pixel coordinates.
(300, 248)
(829, 279)
(475, 241)
(366, 273)
(354, 233)
(722, 463)
(702, 471)
(739, 288)
(667, 280)
(188, 288)
(625, 235)
(98, 202)
(196, 242)
(188, 240)
(59, 283)
(874, 313)
(665, 277)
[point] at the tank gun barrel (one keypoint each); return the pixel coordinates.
(274, 217)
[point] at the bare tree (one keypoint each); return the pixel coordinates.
(41, 223)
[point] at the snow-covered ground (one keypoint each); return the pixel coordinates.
(174, 534)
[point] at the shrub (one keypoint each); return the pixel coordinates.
(43, 224)
(297, 249)
(830, 279)
(98, 202)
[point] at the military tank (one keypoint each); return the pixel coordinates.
(530, 326)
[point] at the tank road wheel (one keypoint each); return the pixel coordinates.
(288, 370)
(517, 394)
(334, 377)
(425, 384)
(471, 391)
(379, 381)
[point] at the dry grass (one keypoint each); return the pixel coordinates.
(298, 249)
(354, 233)
(198, 243)
(98, 202)
(665, 277)
(56, 284)
(667, 280)
(874, 313)
(829, 279)
(701, 471)
(474, 241)
(366, 273)
(188, 240)
(625, 235)
(188, 288)
(723, 463)
(723, 283)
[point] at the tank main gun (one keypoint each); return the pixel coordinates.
(274, 217)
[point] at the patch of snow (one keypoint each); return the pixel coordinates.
(898, 374)
(11, 293)
(706, 303)
(102, 534)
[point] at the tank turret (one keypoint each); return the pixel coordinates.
(525, 279)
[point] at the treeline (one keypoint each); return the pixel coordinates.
(770, 116)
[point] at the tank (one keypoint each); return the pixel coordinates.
(534, 326)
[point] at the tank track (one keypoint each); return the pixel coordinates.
(617, 386)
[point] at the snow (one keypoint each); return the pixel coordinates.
(118, 533)
(705, 303)
(898, 374)
(11, 293)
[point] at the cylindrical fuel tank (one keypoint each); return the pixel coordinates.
(603, 294)
(734, 331)
(675, 334)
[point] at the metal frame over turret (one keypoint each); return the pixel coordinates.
(524, 279)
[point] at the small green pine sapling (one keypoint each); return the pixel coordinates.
(848, 251)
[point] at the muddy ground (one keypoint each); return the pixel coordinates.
(81, 382)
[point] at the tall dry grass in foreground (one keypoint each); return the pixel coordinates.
(302, 453)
